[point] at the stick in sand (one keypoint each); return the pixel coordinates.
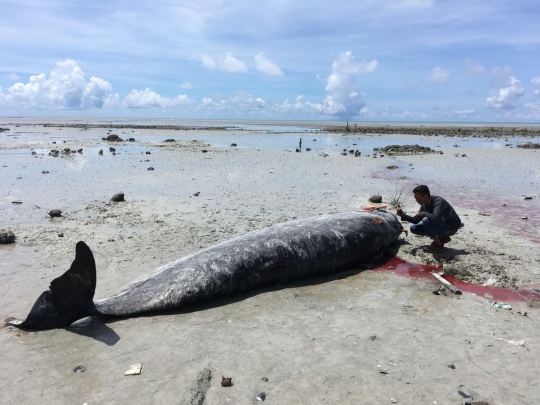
(446, 283)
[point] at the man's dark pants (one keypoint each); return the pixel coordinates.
(432, 228)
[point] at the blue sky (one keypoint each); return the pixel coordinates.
(387, 60)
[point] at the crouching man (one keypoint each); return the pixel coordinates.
(435, 219)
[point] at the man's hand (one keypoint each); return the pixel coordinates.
(399, 212)
(419, 214)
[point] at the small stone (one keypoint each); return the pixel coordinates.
(452, 366)
(79, 150)
(393, 167)
(79, 369)
(226, 381)
(118, 197)
(204, 151)
(148, 153)
(524, 217)
(464, 392)
(100, 152)
(131, 139)
(170, 140)
(150, 168)
(16, 202)
(67, 150)
(45, 172)
(233, 145)
(55, 213)
(261, 397)
(197, 194)
(528, 198)
(111, 149)
(375, 198)
(393, 400)
(134, 369)
(61, 235)
(6, 237)
(373, 337)
(264, 379)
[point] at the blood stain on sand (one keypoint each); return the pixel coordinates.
(417, 271)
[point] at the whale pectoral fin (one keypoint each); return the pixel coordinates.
(69, 296)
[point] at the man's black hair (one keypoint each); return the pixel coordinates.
(422, 190)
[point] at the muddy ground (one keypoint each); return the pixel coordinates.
(319, 341)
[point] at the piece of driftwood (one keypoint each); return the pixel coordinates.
(447, 284)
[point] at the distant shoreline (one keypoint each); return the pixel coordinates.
(484, 131)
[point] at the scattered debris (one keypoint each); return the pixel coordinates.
(513, 342)
(226, 381)
(500, 305)
(483, 213)
(405, 150)
(134, 369)
(529, 145)
(6, 237)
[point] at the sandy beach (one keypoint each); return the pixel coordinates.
(370, 336)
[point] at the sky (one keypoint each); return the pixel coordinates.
(369, 60)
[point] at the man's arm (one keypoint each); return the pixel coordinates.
(417, 218)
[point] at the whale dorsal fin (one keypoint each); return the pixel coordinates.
(69, 296)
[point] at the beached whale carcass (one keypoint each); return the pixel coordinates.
(274, 255)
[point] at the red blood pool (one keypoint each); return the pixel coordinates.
(417, 271)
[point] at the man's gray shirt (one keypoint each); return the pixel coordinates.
(437, 209)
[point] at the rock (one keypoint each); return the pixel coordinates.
(79, 369)
(198, 193)
(529, 145)
(16, 202)
(308, 149)
(344, 153)
(100, 152)
(170, 140)
(392, 167)
(375, 198)
(61, 235)
(118, 197)
(131, 139)
(357, 153)
(233, 144)
(79, 150)
(148, 153)
(528, 198)
(264, 379)
(464, 392)
(150, 168)
(405, 150)
(226, 381)
(261, 397)
(298, 150)
(6, 237)
(113, 138)
(45, 172)
(111, 149)
(204, 151)
(34, 153)
(55, 213)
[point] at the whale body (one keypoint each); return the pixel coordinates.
(274, 255)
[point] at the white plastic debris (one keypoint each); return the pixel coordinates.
(490, 281)
(134, 369)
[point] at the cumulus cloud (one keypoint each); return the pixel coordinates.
(150, 99)
(241, 102)
(507, 98)
(439, 75)
(186, 85)
(343, 97)
(474, 69)
(536, 80)
(225, 62)
(266, 66)
(65, 87)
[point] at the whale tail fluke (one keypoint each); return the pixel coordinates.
(70, 296)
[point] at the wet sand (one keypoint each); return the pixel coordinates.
(311, 340)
